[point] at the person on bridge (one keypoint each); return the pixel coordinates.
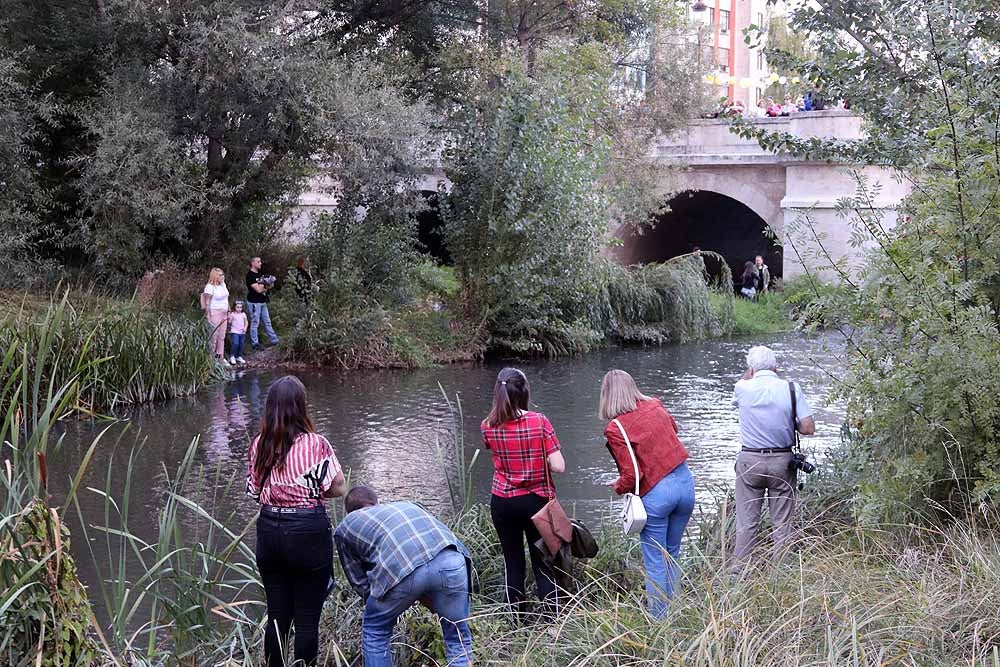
(395, 554)
(764, 464)
(665, 483)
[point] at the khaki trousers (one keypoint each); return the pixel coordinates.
(758, 475)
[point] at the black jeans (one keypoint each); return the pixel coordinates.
(512, 519)
(295, 559)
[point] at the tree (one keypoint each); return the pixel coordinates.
(240, 102)
(19, 192)
(923, 315)
(528, 213)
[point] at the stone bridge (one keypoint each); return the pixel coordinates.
(725, 194)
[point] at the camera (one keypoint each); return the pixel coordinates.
(799, 462)
(268, 280)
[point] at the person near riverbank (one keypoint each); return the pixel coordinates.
(763, 465)
(215, 304)
(665, 483)
(291, 470)
(763, 274)
(237, 333)
(395, 554)
(748, 281)
(304, 284)
(258, 292)
(525, 452)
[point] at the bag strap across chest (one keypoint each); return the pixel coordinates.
(631, 452)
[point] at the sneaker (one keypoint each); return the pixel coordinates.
(241, 360)
(273, 343)
(255, 346)
(232, 361)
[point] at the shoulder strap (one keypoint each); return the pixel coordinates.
(631, 452)
(795, 420)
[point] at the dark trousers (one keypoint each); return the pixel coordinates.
(512, 519)
(295, 559)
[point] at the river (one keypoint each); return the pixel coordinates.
(385, 426)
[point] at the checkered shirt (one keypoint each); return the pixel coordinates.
(380, 546)
(520, 455)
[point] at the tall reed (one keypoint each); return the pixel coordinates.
(117, 353)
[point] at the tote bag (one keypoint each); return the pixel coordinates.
(633, 517)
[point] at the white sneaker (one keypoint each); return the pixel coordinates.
(241, 360)
(232, 361)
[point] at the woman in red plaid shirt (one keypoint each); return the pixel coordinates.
(525, 450)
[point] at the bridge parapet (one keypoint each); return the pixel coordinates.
(706, 141)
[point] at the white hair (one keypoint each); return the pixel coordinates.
(761, 358)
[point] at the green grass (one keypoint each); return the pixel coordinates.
(767, 314)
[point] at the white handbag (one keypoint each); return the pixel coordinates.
(633, 517)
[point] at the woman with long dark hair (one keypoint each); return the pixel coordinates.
(525, 453)
(748, 281)
(292, 470)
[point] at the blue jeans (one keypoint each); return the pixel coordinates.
(259, 314)
(444, 583)
(236, 344)
(669, 506)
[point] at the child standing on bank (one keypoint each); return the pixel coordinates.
(237, 333)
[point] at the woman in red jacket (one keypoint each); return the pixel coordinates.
(665, 483)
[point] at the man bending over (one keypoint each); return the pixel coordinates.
(395, 554)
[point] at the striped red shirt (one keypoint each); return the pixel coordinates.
(308, 472)
(520, 450)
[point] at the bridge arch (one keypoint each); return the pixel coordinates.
(711, 212)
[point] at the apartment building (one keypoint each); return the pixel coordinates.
(737, 71)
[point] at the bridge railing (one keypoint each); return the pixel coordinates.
(712, 136)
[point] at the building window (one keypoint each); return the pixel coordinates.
(760, 20)
(723, 60)
(723, 20)
(761, 63)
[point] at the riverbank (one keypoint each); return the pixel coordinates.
(849, 595)
(189, 593)
(154, 351)
(112, 352)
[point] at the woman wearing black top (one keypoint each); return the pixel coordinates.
(749, 281)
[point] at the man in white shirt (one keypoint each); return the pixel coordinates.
(762, 466)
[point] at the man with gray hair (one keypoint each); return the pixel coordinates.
(763, 464)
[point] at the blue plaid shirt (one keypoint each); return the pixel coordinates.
(380, 546)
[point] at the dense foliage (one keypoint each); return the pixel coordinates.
(144, 135)
(921, 316)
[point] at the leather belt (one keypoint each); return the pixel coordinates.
(274, 509)
(772, 450)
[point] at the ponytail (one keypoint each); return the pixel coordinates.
(511, 393)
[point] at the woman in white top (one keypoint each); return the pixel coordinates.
(215, 303)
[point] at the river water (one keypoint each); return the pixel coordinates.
(386, 425)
